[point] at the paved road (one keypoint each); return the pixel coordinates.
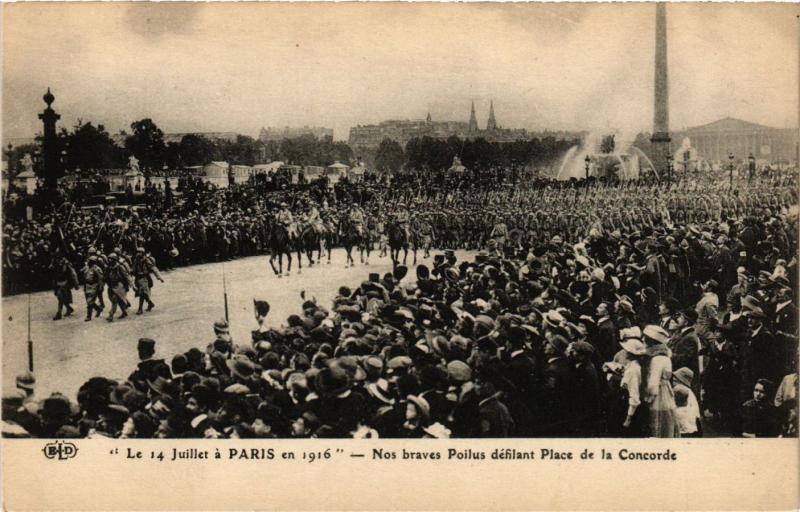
(69, 351)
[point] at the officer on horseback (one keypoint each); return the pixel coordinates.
(356, 218)
(402, 219)
(314, 219)
(286, 220)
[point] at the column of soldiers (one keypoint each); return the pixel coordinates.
(116, 273)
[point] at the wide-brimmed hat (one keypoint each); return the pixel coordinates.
(684, 375)
(26, 381)
(241, 367)
(373, 365)
(422, 405)
(459, 371)
(656, 333)
(634, 346)
(380, 390)
(630, 333)
(750, 303)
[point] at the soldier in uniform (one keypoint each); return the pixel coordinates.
(314, 219)
(102, 263)
(92, 287)
(286, 219)
(356, 217)
(118, 281)
(65, 279)
(426, 234)
(402, 217)
(143, 266)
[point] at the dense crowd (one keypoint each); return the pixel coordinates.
(593, 309)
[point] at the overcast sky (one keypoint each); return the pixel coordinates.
(238, 67)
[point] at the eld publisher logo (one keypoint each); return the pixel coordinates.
(60, 450)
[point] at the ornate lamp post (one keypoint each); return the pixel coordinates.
(588, 161)
(751, 162)
(730, 168)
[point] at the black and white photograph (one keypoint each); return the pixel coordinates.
(400, 221)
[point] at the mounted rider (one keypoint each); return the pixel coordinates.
(285, 219)
(402, 218)
(314, 219)
(356, 217)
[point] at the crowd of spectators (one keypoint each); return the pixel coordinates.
(632, 309)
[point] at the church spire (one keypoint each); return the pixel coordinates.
(428, 119)
(473, 121)
(491, 124)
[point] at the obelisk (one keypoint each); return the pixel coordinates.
(661, 140)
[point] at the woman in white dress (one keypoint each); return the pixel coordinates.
(659, 393)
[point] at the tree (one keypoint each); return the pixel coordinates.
(389, 156)
(197, 150)
(243, 151)
(90, 147)
(147, 145)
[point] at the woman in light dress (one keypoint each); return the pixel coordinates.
(659, 394)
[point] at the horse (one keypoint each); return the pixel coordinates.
(309, 240)
(330, 237)
(367, 239)
(350, 238)
(279, 245)
(397, 240)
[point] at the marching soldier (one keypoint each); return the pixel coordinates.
(65, 280)
(92, 287)
(118, 281)
(143, 267)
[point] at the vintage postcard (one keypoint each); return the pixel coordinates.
(422, 256)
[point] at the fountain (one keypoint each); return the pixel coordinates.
(625, 165)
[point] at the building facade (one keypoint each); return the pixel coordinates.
(715, 141)
(278, 134)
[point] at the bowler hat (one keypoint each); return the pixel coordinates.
(331, 381)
